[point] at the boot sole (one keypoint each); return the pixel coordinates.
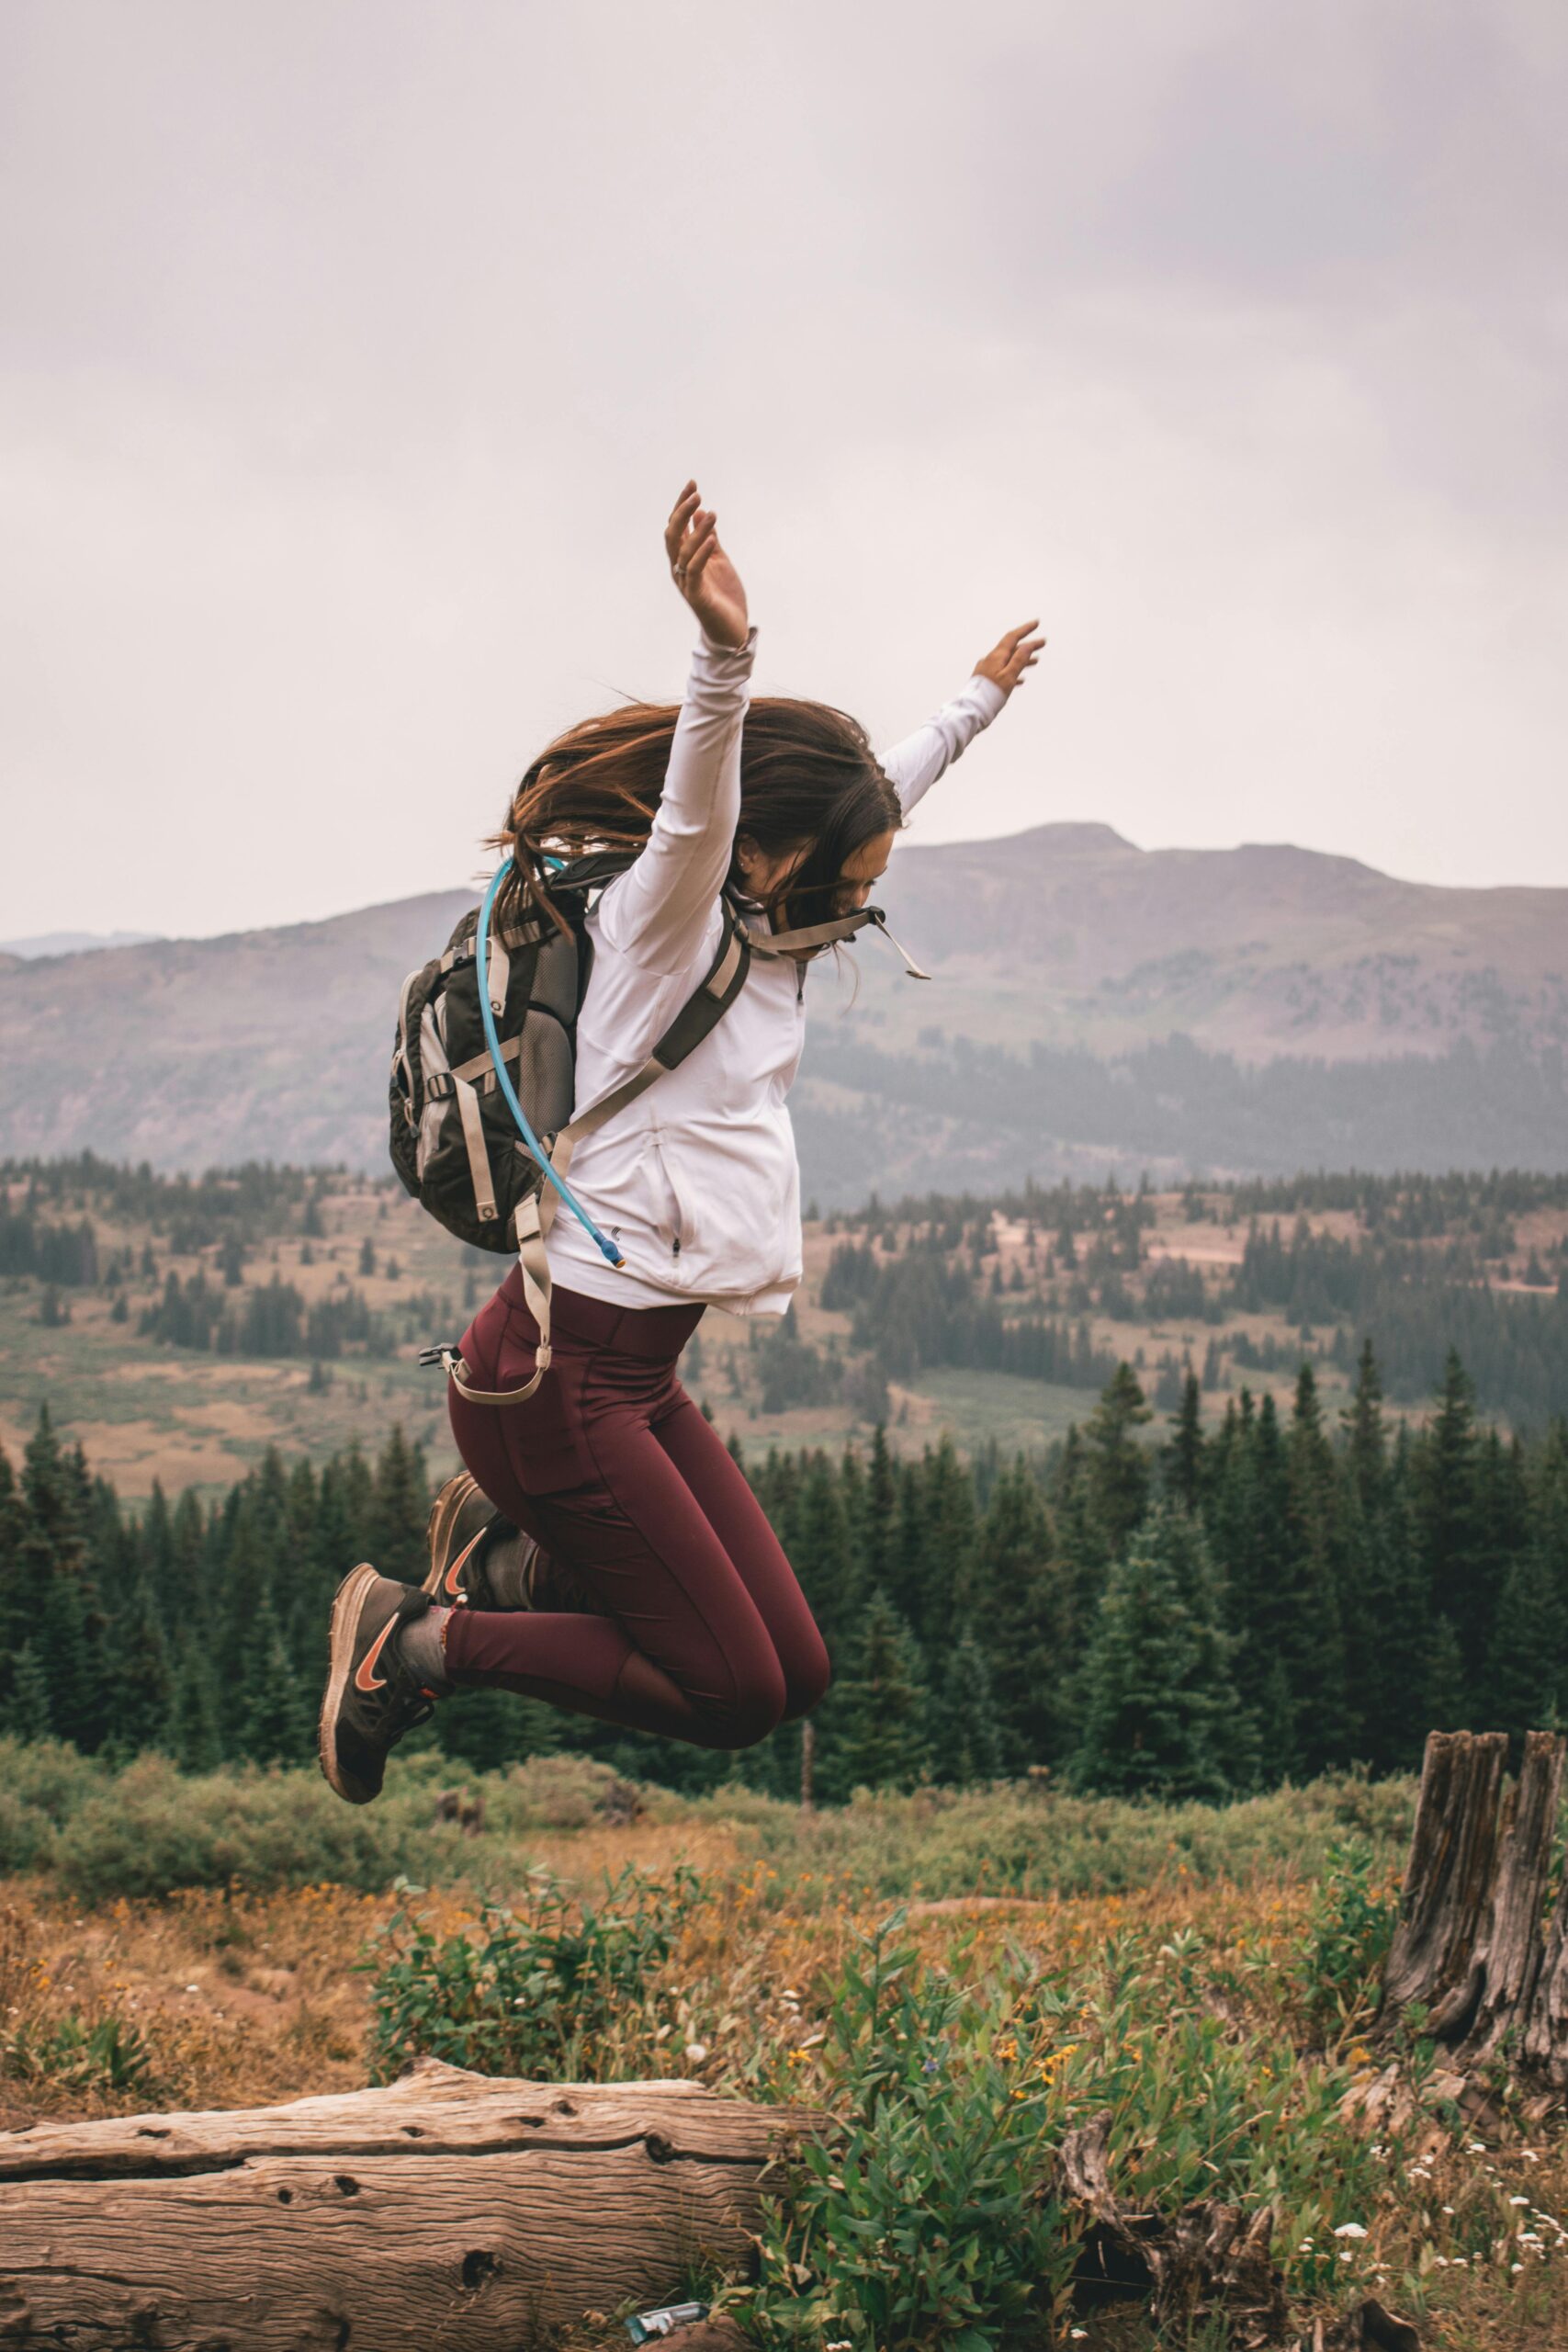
(341, 1639)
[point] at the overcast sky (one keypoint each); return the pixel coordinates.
(354, 349)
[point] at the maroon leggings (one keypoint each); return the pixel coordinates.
(613, 1470)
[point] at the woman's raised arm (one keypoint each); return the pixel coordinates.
(914, 763)
(663, 909)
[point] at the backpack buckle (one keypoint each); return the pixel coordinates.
(440, 1086)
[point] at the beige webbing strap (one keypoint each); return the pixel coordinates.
(827, 934)
(474, 1138)
(497, 971)
(814, 935)
(483, 1065)
(532, 1223)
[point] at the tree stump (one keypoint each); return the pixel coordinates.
(447, 2209)
(1209, 2261)
(1473, 1941)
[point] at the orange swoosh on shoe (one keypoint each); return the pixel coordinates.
(452, 1582)
(365, 1679)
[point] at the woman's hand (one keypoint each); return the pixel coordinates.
(1011, 657)
(703, 572)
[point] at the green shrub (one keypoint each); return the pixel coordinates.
(925, 2219)
(1350, 1927)
(563, 1791)
(547, 1990)
(109, 2054)
(27, 1833)
(152, 1831)
(1031, 1839)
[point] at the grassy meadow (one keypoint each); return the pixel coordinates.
(959, 1976)
(146, 1409)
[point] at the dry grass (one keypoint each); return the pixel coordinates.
(243, 1999)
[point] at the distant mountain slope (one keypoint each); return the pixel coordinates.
(264, 1045)
(72, 942)
(1065, 961)
(1071, 935)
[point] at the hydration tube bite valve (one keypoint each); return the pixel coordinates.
(482, 958)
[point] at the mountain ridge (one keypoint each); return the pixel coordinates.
(1065, 939)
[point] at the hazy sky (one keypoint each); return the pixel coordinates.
(354, 351)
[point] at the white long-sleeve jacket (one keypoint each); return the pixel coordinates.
(699, 1180)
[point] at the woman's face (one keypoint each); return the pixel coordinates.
(861, 870)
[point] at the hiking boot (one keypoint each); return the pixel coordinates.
(461, 1511)
(371, 1699)
(480, 1560)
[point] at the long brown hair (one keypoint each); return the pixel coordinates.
(809, 780)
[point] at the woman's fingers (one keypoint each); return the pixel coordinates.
(696, 564)
(695, 544)
(680, 515)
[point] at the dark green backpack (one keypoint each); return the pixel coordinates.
(459, 1145)
(453, 1139)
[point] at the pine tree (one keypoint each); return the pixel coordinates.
(1524, 1665)
(1309, 1613)
(880, 1539)
(1248, 1532)
(880, 1707)
(1366, 1436)
(195, 1736)
(1184, 1454)
(14, 1566)
(1117, 1464)
(142, 1687)
(1081, 1544)
(27, 1714)
(1019, 1621)
(1156, 1682)
(943, 1565)
(273, 1713)
(1448, 1517)
(402, 1508)
(968, 1742)
(816, 1536)
(1443, 1677)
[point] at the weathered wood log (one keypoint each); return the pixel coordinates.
(1470, 1941)
(1210, 2259)
(1544, 2042)
(1509, 1954)
(447, 2208)
(1449, 1875)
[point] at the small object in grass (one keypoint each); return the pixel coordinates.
(643, 2326)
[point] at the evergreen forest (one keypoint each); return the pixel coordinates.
(1190, 1605)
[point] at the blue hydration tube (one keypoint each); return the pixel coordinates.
(481, 958)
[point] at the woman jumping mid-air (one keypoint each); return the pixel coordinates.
(604, 1552)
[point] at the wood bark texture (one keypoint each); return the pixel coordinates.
(1210, 2260)
(1449, 1874)
(447, 2210)
(1472, 1941)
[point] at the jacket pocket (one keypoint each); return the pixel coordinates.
(678, 1225)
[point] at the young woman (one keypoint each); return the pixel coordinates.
(604, 1552)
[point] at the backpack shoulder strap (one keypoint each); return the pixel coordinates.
(702, 1013)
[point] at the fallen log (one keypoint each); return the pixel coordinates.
(446, 2208)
